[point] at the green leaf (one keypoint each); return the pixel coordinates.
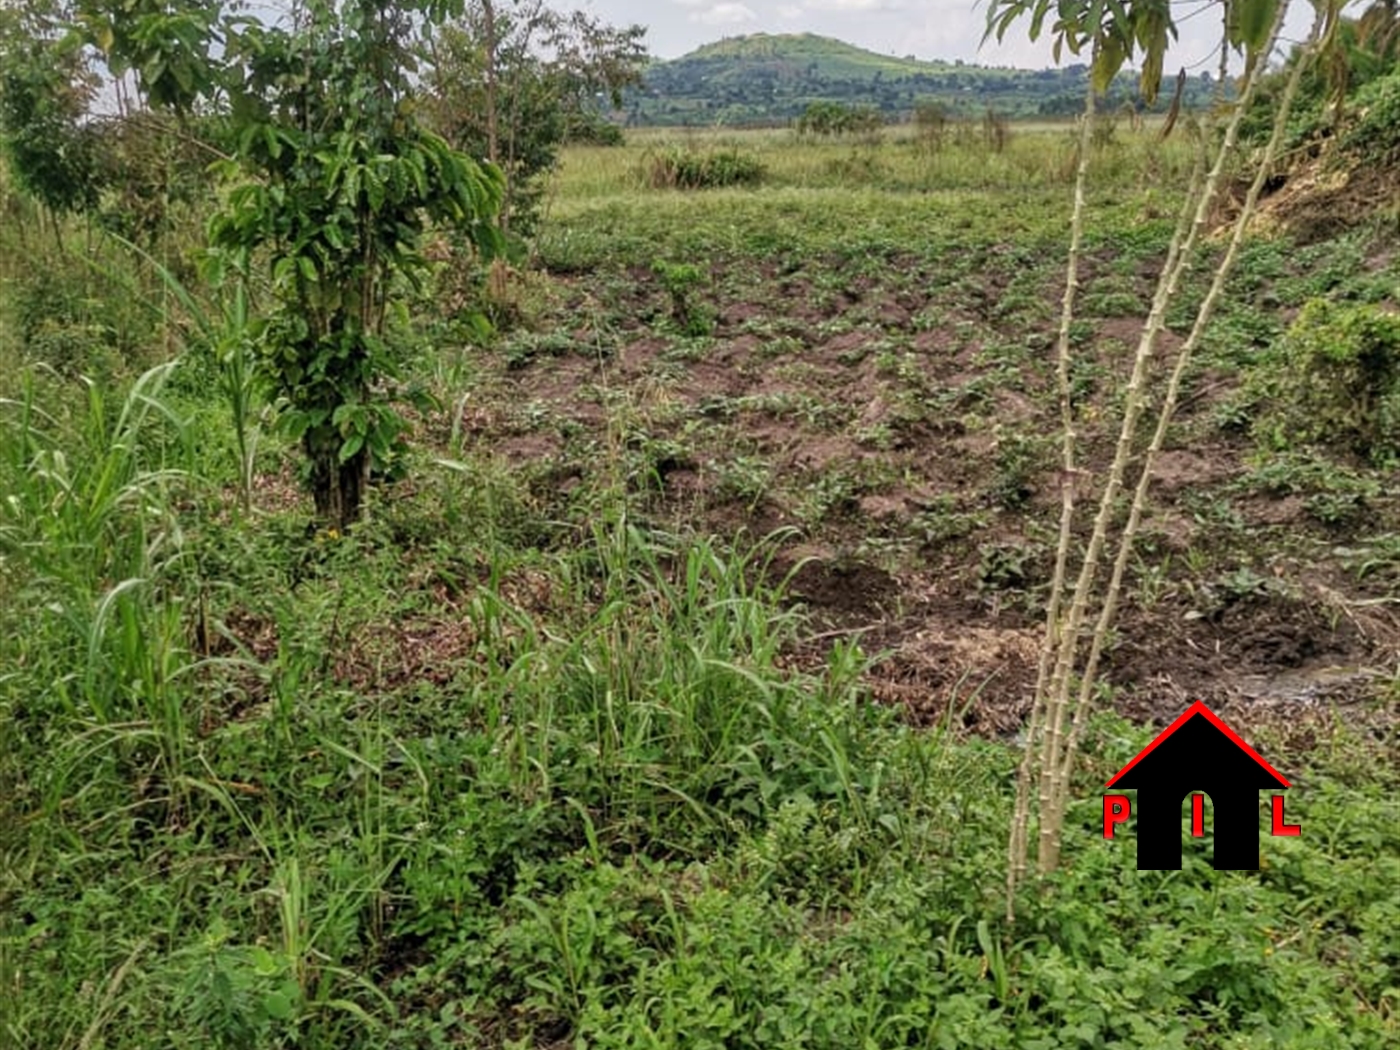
(1250, 22)
(1109, 57)
(352, 445)
(277, 1005)
(264, 965)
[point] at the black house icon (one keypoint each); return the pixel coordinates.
(1198, 752)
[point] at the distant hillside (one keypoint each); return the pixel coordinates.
(771, 79)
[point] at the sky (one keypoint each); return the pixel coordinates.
(926, 29)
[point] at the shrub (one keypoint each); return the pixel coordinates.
(1334, 381)
(688, 169)
(834, 118)
(1375, 137)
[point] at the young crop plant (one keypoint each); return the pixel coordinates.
(1080, 611)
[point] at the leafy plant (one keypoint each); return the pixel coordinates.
(681, 280)
(1334, 381)
(346, 181)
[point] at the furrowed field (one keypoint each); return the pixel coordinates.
(672, 691)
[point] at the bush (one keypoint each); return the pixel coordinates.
(1375, 137)
(688, 169)
(1333, 382)
(834, 118)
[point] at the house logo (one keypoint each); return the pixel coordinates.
(1199, 755)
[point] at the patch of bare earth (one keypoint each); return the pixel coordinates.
(950, 650)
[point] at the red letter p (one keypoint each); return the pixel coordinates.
(1115, 811)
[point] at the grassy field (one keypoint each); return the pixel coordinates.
(671, 695)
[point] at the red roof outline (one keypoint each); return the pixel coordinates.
(1198, 708)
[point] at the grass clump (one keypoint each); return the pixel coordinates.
(683, 168)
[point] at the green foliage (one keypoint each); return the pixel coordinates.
(827, 119)
(513, 82)
(80, 317)
(1333, 381)
(347, 181)
(45, 92)
(171, 48)
(1374, 138)
(509, 764)
(678, 167)
(1346, 82)
(681, 281)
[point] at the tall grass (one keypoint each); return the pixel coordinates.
(897, 161)
(94, 563)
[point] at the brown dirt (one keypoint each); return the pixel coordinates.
(889, 566)
(1318, 200)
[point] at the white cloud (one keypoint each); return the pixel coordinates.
(726, 14)
(930, 29)
(851, 5)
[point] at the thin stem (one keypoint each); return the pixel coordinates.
(1135, 400)
(1016, 849)
(1203, 316)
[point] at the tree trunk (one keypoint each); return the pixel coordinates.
(338, 488)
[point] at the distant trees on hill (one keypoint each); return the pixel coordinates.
(773, 89)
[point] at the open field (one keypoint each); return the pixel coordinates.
(671, 694)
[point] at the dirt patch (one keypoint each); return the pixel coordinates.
(1175, 470)
(979, 678)
(843, 594)
(1175, 654)
(1318, 200)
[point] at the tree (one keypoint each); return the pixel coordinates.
(45, 95)
(337, 182)
(513, 82)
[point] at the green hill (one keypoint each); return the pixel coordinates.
(770, 79)
(798, 52)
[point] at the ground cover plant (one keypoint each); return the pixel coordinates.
(673, 693)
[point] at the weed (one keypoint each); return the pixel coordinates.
(1008, 566)
(943, 522)
(681, 280)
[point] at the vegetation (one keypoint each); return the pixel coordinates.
(1335, 380)
(763, 79)
(513, 82)
(832, 118)
(671, 690)
(688, 169)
